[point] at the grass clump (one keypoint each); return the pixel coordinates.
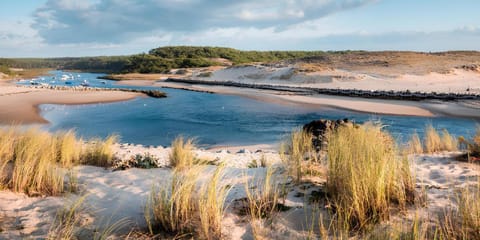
(182, 156)
(463, 222)
(184, 208)
(433, 142)
(66, 221)
(300, 153)
(414, 146)
(211, 206)
(35, 162)
(365, 177)
(35, 170)
(99, 152)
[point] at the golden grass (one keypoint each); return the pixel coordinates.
(66, 221)
(433, 142)
(414, 145)
(297, 152)
(99, 152)
(449, 143)
(69, 148)
(35, 162)
(35, 171)
(183, 208)
(262, 202)
(211, 206)
(463, 222)
(365, 176)
(182, 156)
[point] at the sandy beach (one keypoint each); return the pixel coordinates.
(20, 104)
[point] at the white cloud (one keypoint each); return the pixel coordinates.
(69, 21)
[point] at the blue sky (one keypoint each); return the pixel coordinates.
(53, 28)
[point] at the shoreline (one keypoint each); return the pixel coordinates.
(18, 106)
(319, 101)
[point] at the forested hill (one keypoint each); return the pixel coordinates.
(158, 60)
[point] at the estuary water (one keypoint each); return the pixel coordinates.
(213, 119)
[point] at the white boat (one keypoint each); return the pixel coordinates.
(65, 77)
(85, 83)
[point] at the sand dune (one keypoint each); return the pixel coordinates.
(120, 195)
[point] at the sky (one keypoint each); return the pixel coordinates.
(61, 28)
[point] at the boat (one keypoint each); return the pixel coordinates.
(68, 82)
(84, 83)
(103, 82)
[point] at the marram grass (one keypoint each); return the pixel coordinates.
(35, 162)
(365, 176)
(188, 206)
(182, 156)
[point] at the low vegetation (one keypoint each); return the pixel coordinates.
(36, 162)
(182, 156)
(365, 176)
(434, 142)
(183, 208)
(298, 153)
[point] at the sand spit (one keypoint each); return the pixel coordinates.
(20, 105)
(120, 195)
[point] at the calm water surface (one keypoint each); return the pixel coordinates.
(214, 119)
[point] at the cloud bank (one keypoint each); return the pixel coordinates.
(117, 21)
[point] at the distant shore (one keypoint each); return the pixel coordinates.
(365, 105)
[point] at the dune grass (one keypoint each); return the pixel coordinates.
(185, 208)
(365, 176)
(463, 221)
(67, 220)
(182, 156)
(36, 162)
(434, 142)
(211, 206)
(99, 152)
(297, 153)
(262, 202)
(414, 146)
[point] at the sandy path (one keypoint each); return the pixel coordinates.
(20, 105)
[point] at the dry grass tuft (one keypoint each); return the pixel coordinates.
(415, 145)
(433, 142)
(66, 221)
(211, 206)
(35, 162)
(182, 156)
(463, 222)
(99, 152)
(35, 170)
(365, 177)
(181, 208)
(262, 202)
(300, 153)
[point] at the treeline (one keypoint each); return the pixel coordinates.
(158, 60)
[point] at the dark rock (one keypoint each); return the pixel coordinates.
(320, 129)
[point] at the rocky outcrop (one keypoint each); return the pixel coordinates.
(321, 128)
